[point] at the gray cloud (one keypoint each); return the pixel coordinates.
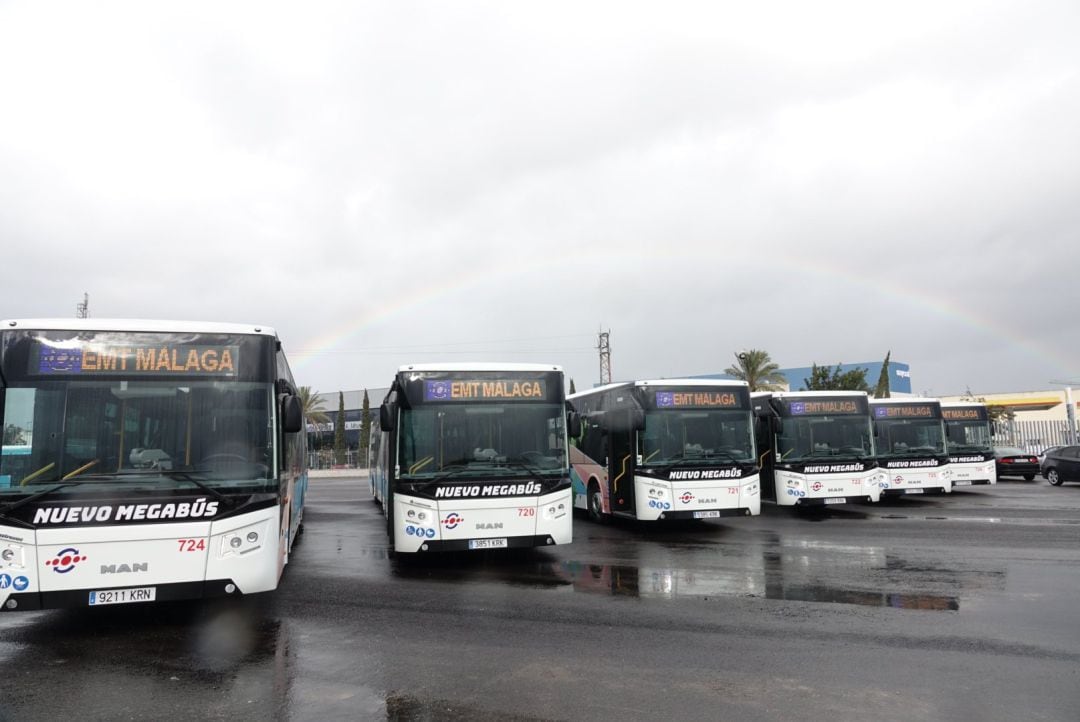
(824, 181)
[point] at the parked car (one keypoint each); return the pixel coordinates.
(1011, 461)
(1044, 452)
(1062, 464)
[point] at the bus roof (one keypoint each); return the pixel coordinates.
(962, 404)
(134, 324)
(479, 366)
(713, 383)
(804, 394)
(907, 400)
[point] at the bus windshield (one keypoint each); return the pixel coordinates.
(712, 436)
(145, 434)
(969, 436)
(837, 438)
(905, 437)
(509, 439)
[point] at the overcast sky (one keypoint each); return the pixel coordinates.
(400, 182)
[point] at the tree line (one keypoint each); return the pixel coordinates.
(758, 370)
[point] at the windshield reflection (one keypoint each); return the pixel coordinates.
(904, 437)
(512, 439)
(709, 436)
(824, 437)
(139, 434)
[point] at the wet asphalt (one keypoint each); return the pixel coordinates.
(949, 607)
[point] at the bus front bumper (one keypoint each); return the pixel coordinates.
(75, 598)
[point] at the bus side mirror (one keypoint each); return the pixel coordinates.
(637, 420)
(573, 424)
(776, 424)
(386, 418)
(292, 414)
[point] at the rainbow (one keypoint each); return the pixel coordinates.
(927, 302)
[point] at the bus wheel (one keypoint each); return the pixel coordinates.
(596, 503)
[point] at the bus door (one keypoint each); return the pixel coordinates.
(622, 425)
(766, 440)
(621, 473)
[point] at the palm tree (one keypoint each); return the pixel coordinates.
(758, 370)
(312, 405)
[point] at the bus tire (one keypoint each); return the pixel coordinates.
(595, 502)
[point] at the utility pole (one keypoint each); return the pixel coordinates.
(83, 309)
(604, 346)
(1070, 407)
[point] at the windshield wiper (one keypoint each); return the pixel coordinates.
(11, 506)
(106, 478)
(189, 476)
(457, 468)
(701, 459)
(532, 470)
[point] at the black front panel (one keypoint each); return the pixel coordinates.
(693, 397)
(457, 387)
(36, 356)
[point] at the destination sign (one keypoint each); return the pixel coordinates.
(484, 390)
(825, 406)
(973, 414)
(697, 399)
(171, 359)
(906, 411)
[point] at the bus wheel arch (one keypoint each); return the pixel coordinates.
(595, 501)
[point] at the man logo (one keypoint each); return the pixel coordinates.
(125, 568)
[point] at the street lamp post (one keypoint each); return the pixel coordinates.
(1070, 407)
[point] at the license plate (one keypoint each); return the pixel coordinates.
(487, 543)
(836, 500)
(122, 596)
(913, 491)
(706, 514)
(964, 482)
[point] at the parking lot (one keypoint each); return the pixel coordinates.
(943, 607)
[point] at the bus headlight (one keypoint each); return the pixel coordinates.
(555, 511)
(13, 556)
(243, 541)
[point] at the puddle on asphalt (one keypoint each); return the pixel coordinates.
(630, 581)
(1024, 521)
(404, 708)
(933, 602)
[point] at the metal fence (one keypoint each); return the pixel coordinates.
(1033, 436)
(324, 459)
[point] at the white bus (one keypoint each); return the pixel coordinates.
(816, 448)
(157, 460)
(909, 441)
(666, 449)
(971, 450)
(473, 456)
